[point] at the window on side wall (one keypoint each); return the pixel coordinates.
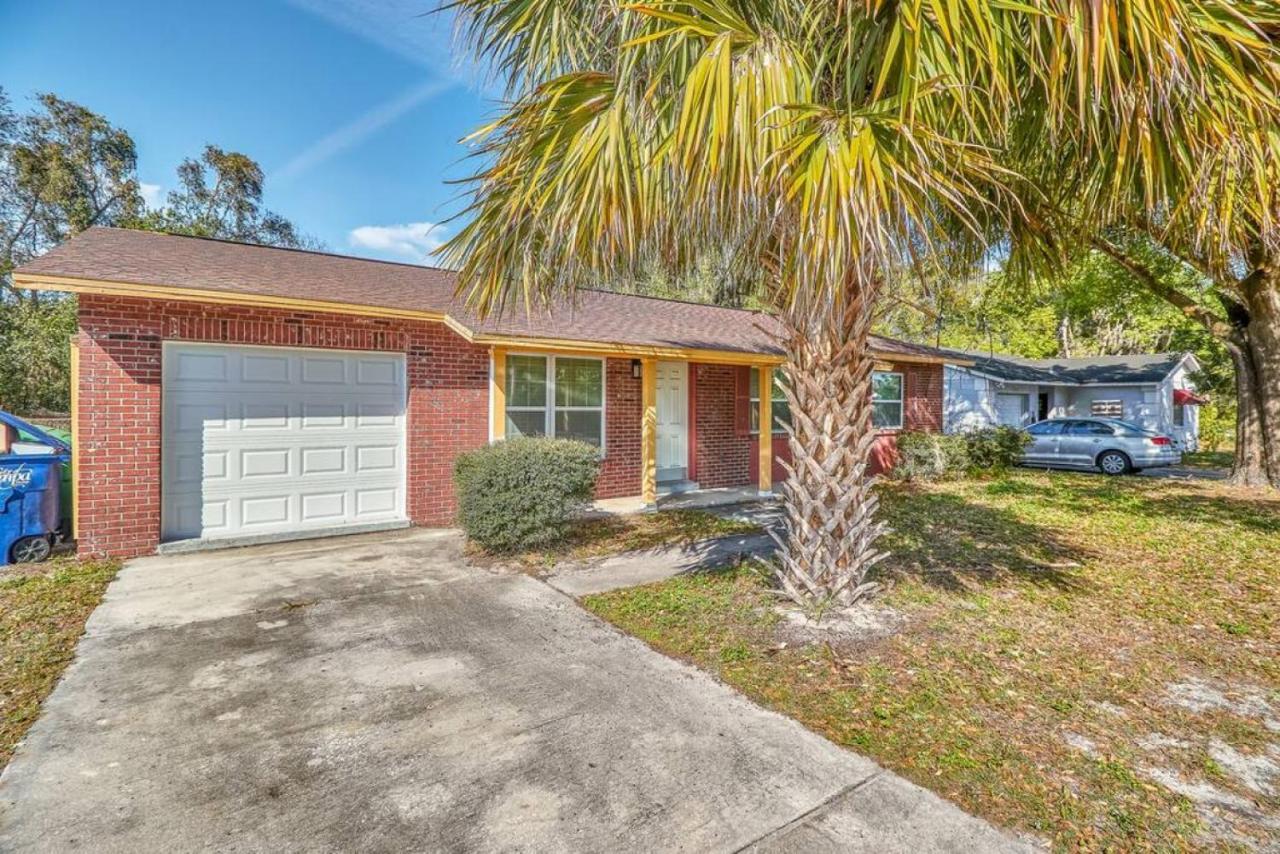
(1107, 409)
(886, 400)
(556, 396)
(1179, 415)
(777, 403)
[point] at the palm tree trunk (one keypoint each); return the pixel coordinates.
(827, 547)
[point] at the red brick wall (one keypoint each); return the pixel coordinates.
(620, 471)
(119, 404)
(922, 410)
(723, 456)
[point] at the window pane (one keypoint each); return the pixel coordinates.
(886, 386)
(579, 382)
(526, 423)
(781, 415)
(753, 417)
(526, 381)
(754, 386)
(781, 408)
(887, 415)
(584, 426)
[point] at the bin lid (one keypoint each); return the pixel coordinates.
(58, 445)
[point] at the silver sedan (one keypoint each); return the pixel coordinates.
(1099, 444)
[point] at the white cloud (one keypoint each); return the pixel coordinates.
(356, 131)
(152, 194)
(414, 241)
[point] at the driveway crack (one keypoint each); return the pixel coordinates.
(823, 804)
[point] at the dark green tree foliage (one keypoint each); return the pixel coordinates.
(520, 493)
(63, 169)
(1094, 307)
(220, 195)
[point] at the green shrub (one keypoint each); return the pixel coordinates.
(1217, 426)
(933, 456)
(930, 456)
(996, 448)
(521, 492)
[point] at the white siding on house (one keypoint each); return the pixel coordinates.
(973, 401)
(967, 401)
(1139, 404)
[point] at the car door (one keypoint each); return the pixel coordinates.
(1082, 441)
(1043, 449)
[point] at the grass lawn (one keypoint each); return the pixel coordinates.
(43, 608)
(1094, 660)
(591, 538)
(1209, 459)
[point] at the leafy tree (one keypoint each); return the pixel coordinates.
(220, 195)
(1218, 172)
(832, 145)
(63, 168)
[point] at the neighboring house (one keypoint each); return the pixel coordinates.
(227, 391)
(1153, 391)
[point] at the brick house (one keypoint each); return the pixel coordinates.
(227, 391)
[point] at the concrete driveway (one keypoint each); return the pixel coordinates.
(375, 693)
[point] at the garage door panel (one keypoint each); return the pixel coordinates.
(264, 440)
(265, 369)
(324, 506)
(370, 458)
(324, 370)
(377, 372)
(201, 367)
(376, 502)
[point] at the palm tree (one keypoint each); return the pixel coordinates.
(833, 143)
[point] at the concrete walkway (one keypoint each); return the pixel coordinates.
(377, 694)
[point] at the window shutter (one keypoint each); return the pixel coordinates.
(742, 400)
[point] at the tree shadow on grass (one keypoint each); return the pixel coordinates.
(948, 542)
(1159, 500)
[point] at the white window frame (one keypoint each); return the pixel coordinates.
(901, 400)
(549, 409)
(1109, 404)
(753, 404)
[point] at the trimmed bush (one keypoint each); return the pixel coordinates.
(930, 456)
(996, 448)
(933, 456)
(520, 493)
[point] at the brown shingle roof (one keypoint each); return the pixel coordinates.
(170, 261)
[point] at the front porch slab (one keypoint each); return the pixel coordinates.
(700, 499)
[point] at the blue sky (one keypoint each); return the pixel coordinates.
(354, 108)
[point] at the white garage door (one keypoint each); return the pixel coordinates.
(264, 440)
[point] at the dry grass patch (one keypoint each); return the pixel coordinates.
(43, 608)
(593, 538)
(1093, 660)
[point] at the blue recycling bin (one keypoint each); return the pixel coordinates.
(30, 493)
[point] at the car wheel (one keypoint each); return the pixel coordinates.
(1113, 463)
(31, 550)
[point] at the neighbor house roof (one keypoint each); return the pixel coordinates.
(1092, 370)
(162, 266)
